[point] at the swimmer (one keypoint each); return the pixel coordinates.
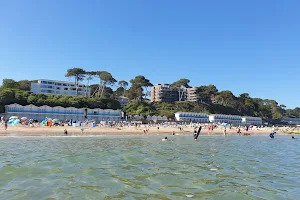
(173, 133)
(164, 139)
(65, 132)
(292, 137)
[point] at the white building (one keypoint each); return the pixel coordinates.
(252, 120)
(40, 113)
(191, 117)
(221, 118)
(44, 86)
(291, 121)
(217, 118)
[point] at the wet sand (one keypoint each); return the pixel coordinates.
(98, 131)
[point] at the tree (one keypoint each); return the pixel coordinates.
(244, 96)
(205, 93)
(119, 92)
(181, 82)
(137, 85)
(134, 92)
(108, 93)
(21, 97)
(89, 77)
(179, 85)
(9, 84)
(105, 79)
(78, 75)
(225, 97)
(111, 103)
(124, 85)
(94, 89)
(24, 85)
(7, 96)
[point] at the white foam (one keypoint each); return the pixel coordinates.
(189, 195)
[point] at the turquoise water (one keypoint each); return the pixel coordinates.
(144, 168)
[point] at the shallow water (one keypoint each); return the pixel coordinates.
(145, 168)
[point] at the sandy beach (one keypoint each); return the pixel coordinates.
(97, 131)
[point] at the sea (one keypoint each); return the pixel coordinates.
(144, 167)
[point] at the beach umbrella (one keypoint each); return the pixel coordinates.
(23, 119)
(44, 122)
(224, 124)
(14, 122)
(13, 117)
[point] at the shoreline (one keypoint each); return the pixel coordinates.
(124, 131)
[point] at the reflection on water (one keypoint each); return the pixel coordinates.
(145, 168)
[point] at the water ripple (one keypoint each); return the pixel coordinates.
(145, 168)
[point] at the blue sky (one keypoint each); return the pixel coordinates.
(242, 46)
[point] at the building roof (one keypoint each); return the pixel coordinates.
(58, 81)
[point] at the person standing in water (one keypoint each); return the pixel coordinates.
(225, 133)
(209, 129)
(239, 131)
(5, 124)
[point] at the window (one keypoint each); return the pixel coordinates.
(58, 88)
(50, 83)
(58, 83)
(44, 82)
(66, 88)
(73, 89)
(64, 84)
(50, 87)
(57, 92)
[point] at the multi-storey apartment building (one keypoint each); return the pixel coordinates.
(164, 93)
(191, 94)
(44, 86)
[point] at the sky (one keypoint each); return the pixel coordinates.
(248, 46)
